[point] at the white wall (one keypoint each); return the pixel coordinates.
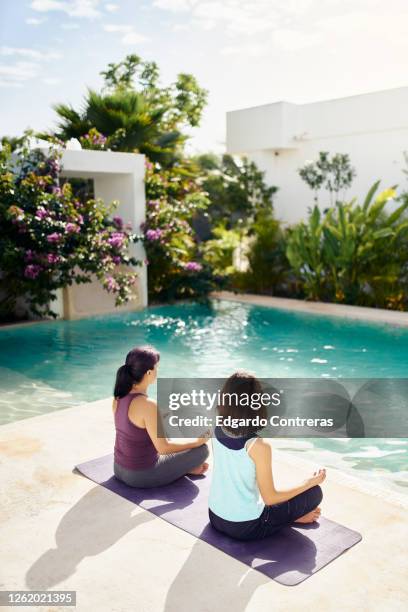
(371, 128)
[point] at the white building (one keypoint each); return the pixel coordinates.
(372, 128)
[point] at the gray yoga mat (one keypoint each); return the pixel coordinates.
(289, 556)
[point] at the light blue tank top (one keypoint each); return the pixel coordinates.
(234, 493)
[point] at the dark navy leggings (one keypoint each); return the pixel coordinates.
(272, 518)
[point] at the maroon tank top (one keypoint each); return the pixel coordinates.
(134, 449)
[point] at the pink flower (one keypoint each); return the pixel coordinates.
(111, 284)
(72, 228)
(118, 221)
(152, 234)
(193, 266)
(116, 259)
(116, 239)
(52, 258)
(54, 166)
(32, 271)
(29, 255)
(55, 237)
(41, 213)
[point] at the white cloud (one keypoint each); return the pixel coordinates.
(237, 17)
(133, 38)
(129, 35)
(248, 49)
(18, 73)
(386, 26)
(69, 26)
(27, 64)
(111, 8)
(114, 27)
(175, 5)
(32, 54)
(34, 21)
(51, 81)
(73, 8)
(180, 27)
(296, 40)
(261, 26)
(47, 5)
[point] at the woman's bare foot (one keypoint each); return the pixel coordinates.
(310, 517)
(201, 469)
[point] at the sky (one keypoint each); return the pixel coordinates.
(245, 53)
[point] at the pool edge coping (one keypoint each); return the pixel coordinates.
(344, 311)
(327, 309)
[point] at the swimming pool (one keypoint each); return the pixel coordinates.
(57, 364)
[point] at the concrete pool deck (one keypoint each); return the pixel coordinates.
(59, 530)
(361, 313)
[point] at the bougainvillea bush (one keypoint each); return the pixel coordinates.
(50, 238)
(176, 268)
(175, 265)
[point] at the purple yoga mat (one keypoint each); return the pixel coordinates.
(289, 556)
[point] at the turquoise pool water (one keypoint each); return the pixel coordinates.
(57, 364)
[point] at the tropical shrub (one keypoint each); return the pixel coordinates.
(218, 252)
(236, 189)
(333, 173)
(268, 271)
(51, 239)
(353, 253)
(305, 253)
(175, 265)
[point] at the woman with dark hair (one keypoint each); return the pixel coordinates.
(141, 458)
(244, 502)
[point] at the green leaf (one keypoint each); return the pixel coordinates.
(383, 233)
(397, 213)
(370, 195)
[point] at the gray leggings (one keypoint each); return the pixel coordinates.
(167, 468)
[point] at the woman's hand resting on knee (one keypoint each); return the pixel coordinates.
(317, 477)
(261, 453)
(204, 439)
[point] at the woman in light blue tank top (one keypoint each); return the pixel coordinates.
(243, 500)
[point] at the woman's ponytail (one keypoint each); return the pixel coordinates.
(138, 361)
(124, 382)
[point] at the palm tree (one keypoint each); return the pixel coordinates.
(135, 113)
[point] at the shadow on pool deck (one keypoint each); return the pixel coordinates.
(238, 583)
(92, 525)
(207, 582)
